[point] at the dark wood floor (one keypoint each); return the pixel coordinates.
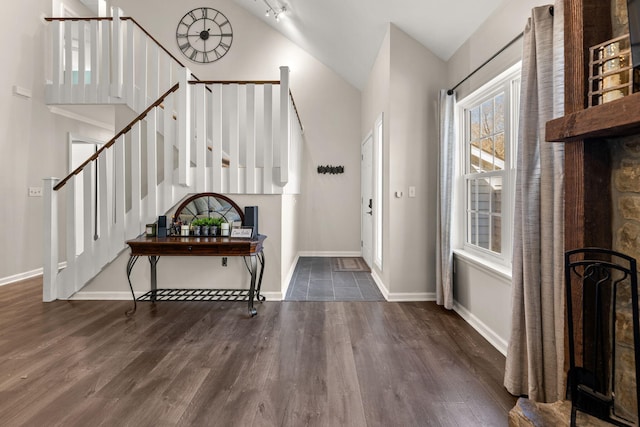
(83, 363)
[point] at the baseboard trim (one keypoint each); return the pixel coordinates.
(330, 254)
(26, 275)
(411, 296)
(487, 333)
(380, 284)
(287, 280)
(401, 296)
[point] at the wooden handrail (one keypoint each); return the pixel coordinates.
(125, 18)
(248, 82)
(79, 18)
(295, 108)
(115, 138)
(236, 82)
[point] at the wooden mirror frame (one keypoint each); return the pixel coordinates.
(232, 204)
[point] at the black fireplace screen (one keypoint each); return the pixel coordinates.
(603, 333)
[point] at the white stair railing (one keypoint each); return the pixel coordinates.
(129, 196)
(109, 60)
(252, 123)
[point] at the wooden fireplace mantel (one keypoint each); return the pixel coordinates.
(617, 118)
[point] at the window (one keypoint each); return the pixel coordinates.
(488, 140)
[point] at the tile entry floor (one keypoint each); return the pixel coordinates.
(315, 280)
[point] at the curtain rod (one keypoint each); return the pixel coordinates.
(505, 47)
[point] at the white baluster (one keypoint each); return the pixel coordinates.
(153, 72)
(105, 207)
(91, 93)
(201, 137)
(88, 258)
(119, 226)
(117, 54)
(78, 93)
(267, 172)
(285, 116)
(184, 129)
(230, 127)
(134, 215)
(250, 140)
(68, 62)
(169, 139)
(129, 66)
(216, 138)
(57, 61)
(260, 138)
(103, 79)
(242, 139)
(152, 166)
(71, 273)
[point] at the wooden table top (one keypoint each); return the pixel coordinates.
(195, 246)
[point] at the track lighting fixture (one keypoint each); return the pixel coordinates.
(274, 11)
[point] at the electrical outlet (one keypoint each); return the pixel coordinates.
(224, 261)
(35, 191)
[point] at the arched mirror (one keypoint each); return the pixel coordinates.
(208, 205)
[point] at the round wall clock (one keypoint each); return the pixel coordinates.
(204, 35)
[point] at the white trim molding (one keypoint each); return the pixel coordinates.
(401, 296)
(81, 118)
(487, 333)
(26, 275)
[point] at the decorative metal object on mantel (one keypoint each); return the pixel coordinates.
(611, 74)
(333, 170)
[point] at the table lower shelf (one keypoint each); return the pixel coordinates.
(199, 295)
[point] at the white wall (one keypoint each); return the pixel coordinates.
(403, 84)
(482, 295)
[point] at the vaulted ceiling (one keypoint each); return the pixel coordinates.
(346, 35)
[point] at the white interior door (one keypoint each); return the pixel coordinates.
(367, 199)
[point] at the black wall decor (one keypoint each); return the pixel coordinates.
(333, 170)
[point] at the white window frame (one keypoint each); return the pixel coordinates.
(509, 83)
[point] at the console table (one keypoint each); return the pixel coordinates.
(155, 247)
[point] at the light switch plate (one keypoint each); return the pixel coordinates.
(35, 191)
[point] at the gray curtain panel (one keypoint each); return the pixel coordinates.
(535, 358)
(446, 174)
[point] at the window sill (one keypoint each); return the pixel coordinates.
(501, 271)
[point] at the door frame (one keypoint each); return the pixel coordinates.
(367, 223)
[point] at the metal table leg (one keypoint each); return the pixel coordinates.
(262, 261)
(130, 264)
(252, 287)
(153, 260)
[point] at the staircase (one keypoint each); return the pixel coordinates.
(190, 136)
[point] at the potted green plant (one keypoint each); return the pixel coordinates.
(197, 225)
(215, 225)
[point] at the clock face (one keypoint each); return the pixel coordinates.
(204, 35)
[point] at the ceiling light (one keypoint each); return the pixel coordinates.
(276, 10)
